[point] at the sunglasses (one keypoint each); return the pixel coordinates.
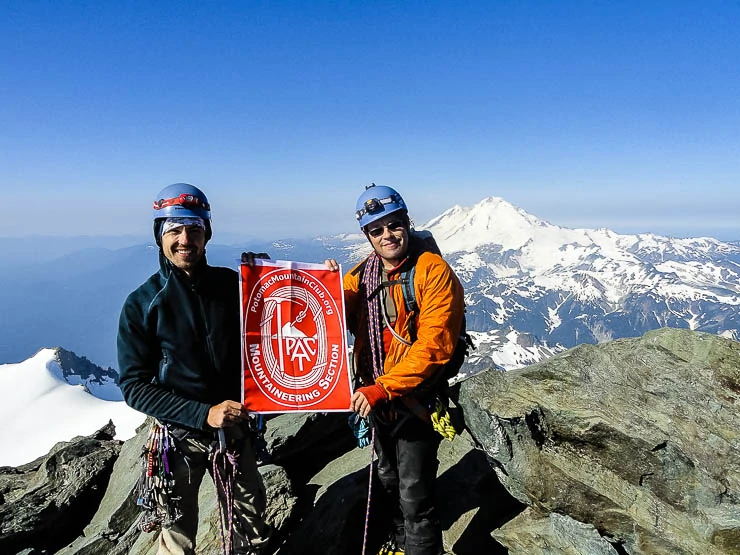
(395, 225)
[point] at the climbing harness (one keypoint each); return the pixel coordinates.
(224, 464)
(155, 486)
(154, 491)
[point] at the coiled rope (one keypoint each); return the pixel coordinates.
(442, 422)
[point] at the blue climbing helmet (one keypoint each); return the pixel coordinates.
(376, 202)
(181, 200)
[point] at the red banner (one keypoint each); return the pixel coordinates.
(294, 340)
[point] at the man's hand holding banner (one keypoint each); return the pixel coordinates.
(294, 340)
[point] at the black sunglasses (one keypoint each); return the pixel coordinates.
(392, 226)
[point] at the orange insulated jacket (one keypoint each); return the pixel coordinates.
(441, 307)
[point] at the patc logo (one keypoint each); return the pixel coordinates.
(297, 359)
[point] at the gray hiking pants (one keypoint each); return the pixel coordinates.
(251, 533)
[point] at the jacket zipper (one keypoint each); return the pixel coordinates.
(204, 327)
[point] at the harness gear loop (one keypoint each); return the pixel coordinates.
(154, 490)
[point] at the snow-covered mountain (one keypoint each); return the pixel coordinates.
(569, 286)
(55, 396)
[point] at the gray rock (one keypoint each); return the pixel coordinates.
(113, 530)
(46, 503)
(288, 437)
(629, 447)
(637, 437)
(531, 533)
(471, 504)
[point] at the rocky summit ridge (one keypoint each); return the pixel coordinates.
(625, 448)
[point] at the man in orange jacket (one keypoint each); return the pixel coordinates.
(399, 358)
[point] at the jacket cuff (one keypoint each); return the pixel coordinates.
(374, 394)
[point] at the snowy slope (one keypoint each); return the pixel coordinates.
(40, 408)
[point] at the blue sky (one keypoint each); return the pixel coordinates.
(587, 114)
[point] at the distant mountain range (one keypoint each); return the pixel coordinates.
(562, 287)
(532, 288)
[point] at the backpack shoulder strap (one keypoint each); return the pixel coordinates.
(409, 297)
(409, 292)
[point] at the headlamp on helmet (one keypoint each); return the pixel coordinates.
(375, 205)
(378, 201)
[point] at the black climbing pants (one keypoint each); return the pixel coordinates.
(407, 447)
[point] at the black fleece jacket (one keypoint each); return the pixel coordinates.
(179, 344)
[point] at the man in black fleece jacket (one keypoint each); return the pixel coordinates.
(179, 356)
